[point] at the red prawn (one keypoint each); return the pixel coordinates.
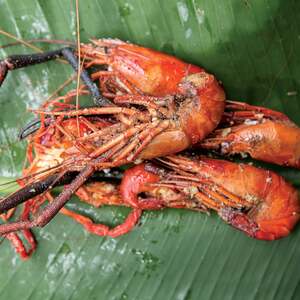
(258, 202)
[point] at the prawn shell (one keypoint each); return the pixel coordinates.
(276, 207)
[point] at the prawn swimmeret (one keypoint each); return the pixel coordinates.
(152, 105)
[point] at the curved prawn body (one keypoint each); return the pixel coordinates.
(258, 202)
(262, 133)
(157, 77)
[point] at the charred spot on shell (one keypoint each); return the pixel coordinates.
(198, 80)
(254, 139)
(187, 106)
(193, 82)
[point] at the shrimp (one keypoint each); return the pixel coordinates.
(258, 202)
(190, 99)
(262, 133)
(139, 75)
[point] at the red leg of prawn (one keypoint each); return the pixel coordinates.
(133, 183)
(19, 246)
(15, 240)
(104, 230)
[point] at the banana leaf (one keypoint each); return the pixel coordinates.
(253, 48)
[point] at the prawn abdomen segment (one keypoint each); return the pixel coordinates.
(203, 107)
(168, 142)
(152, 72)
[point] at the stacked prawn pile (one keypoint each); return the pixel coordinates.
(155, 106)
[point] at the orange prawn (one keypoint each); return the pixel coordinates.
(184, 100)
(258, 202)
(262, 133)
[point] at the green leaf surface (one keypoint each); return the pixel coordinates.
(253, 48)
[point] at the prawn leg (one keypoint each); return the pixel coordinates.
(135, 180)
(19, 246)
(20, 61)
(104, 230)
(241, 111)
